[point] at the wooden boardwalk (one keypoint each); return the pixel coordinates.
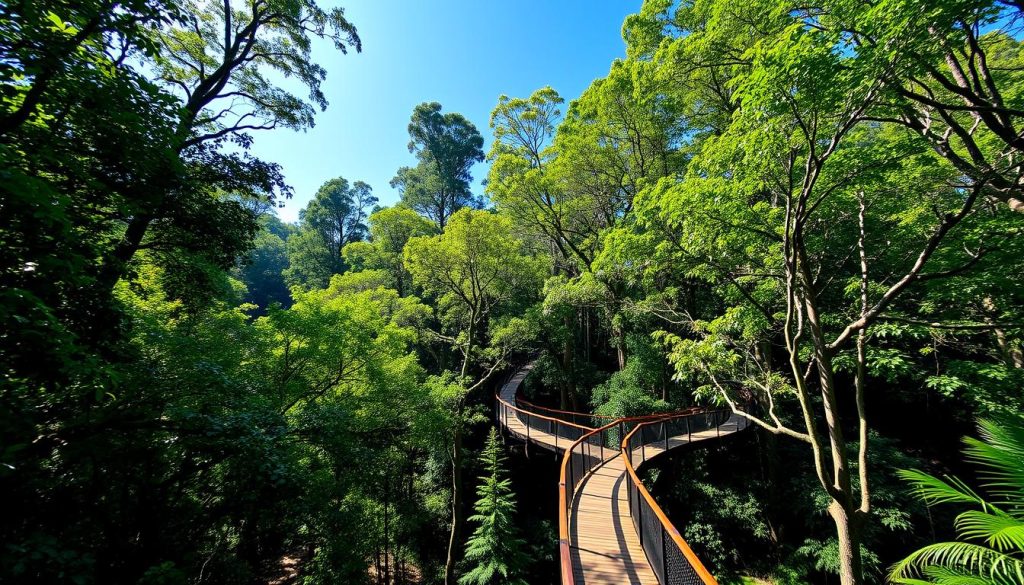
(604, 545)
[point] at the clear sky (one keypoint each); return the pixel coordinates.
(461, 53)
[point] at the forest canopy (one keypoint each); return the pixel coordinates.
(807, 215)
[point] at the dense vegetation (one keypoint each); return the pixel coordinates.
(812, 209)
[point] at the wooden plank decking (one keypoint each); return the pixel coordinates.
(605, 548)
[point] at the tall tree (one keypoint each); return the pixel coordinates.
(447, 146)
(220, 60)
(800, 191)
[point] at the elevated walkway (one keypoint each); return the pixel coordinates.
(611, 531)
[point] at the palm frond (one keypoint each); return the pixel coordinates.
(936, 491)
(960, 558)
(1000, 452)
(997, 529)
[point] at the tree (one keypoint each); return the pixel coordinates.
(216, 59)
(390, 229)
(334, 218)
(990, 548)
(802, 190)
(949, 75)
(262, 271)
(447, 146)
(479, 272)
(495, 550)
(477, 269)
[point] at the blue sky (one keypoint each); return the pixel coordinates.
(461, 53)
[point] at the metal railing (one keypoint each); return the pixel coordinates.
(564, 432)
(636, 440)
(588, 452)
(581, 418)
(671, 559)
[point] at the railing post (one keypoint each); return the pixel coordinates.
(664, 431)
(688, 436)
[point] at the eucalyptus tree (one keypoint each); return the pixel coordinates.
(220, 60)
(447, 146)
(123, 125)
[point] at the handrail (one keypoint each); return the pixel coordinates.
(536, 406)
(555, 426)
(540, 416)
(564, 501)
(640, 499)
(584, 454)
(571, 475)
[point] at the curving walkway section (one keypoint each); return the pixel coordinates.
(611, 531)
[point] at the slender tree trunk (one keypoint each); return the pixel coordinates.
(841, 488)
(387, 531)
(568, 394)
(453, 537)
(620, 345)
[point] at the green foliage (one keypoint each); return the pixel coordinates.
(333, 219)
(495, 551)
(447, 146)
(638, 389)
(390, 229)
(262, 271)
(990, 534)
(479, 272)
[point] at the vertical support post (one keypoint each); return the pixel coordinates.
(688, 437)
(664, 432)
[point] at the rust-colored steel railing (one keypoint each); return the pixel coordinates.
(670, 557)
(586, 453)
(581, 418)
(634, 439)
(564, 432)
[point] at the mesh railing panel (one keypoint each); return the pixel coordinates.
(678, 570)
(664, 553)
(652, 538)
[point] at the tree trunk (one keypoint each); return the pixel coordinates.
(453, 537)
(568, 394)
(849, 545)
